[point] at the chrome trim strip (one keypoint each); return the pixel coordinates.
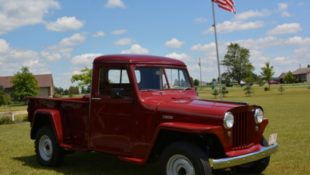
(243, 159)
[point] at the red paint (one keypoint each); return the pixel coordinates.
(128, 127)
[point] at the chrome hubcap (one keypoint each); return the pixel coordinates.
(45, 148)
(179, 165)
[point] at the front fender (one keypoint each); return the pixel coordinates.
(191, 128)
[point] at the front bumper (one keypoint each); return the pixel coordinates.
(243, 159)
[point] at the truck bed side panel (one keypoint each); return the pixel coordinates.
(74, 118)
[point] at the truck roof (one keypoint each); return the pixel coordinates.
(137, 59)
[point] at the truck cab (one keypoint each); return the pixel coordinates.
(144, 108)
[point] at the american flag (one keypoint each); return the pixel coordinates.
(226, 5)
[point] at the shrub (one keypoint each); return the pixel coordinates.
(224, 91)
(215, 93)
(5, 120)
(281, 89)
(248, 90)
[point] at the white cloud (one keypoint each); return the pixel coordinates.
(285, 29)
(16, 13)
(282, 6)
(14, 59)
(99, 34)
(72, 40)
(119, 32)
(64, 24)
(174, 43)
(4, 46)
(232, 26)
(136, 49)
(285, 14)
(63, 48)
(297, 40)
(179, 56)
(123, 42)
(251, 14)
(203, 47)
(200, 20)
(84, 59)
(115, 4)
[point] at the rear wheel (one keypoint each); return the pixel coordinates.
(48, 152)
(183, 158)
(255, 167)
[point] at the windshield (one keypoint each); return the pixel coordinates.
(158, 78)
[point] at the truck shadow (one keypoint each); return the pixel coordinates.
(97, 163)
(91, 163)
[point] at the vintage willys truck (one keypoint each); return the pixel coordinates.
(145, 108)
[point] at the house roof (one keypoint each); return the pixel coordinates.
(44, 80)
(302, 71)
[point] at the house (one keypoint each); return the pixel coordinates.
(302, 74)
(45, 83)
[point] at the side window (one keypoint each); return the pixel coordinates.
(114, 82)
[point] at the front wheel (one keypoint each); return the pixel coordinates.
(183, 158)
(48, 152)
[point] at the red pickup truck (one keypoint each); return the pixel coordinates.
(145, 108)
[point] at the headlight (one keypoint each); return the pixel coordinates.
(228, 120)
(259, 116)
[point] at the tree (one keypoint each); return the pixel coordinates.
(289, 78)
(24, 85)
(196, 82)
(281, 89)
(248, 90)
(215, 93)
(73, 90)
(5, 99)
(83, 79)
(267, 73)
(237, 62)
(224, 91)
(59, 91)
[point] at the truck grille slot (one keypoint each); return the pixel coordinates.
(243, 130)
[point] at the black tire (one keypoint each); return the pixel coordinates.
(187, 152)
(48, 152)
(256, 167)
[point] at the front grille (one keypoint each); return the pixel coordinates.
(243, 130)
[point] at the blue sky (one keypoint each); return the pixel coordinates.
(61, 37)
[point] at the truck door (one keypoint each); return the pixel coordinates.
(112, 109)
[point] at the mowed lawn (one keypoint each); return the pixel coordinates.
(289, 116)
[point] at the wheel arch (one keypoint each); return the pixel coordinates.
(205, 139)
(52, 118)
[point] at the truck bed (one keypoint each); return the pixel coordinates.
(74, 117)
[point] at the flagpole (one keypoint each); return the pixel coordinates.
(200, 72)
(217, 51)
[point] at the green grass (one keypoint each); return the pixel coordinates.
(13, 108)
(288, 115)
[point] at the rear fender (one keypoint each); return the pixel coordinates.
(54, 119)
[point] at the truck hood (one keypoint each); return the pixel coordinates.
(190, 106)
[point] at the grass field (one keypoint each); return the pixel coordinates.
(289, 116)
(13, 108)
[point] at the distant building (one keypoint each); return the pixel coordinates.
(302, 74)
(45, 83)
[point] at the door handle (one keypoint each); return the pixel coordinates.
(96, 98)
